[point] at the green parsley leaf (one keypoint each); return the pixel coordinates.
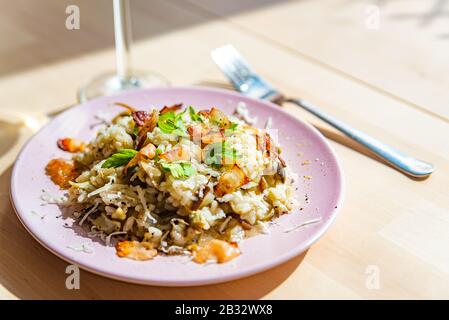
(178, 169)
(166, 122)
(170, 122)
(188, 169)
(120, 158)
(194, 115)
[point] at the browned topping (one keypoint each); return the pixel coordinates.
(71, 144)
(61, 171)
(204, 113)
(265, 144)
(174, 108)
(148, 126)
(230, 181)
(149, 151)
(262, 184)
(196, 132)
(217, 116)
(140, 117)
(197, 204)
(245, 225)
(135, 250)
(260, 142)
(212, 137)
(176, 154)
(218, 250)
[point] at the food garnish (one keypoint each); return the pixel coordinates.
(216, 250)
(175, 181)
(71, 145)
(61, 172)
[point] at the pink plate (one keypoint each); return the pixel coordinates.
(320, 182)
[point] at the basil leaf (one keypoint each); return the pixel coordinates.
(178, 169)
(120, 158)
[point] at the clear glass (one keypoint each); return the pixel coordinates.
(124, 78)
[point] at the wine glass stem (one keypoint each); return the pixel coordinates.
(122, 31)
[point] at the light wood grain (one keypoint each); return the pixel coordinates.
(388, 220)
(404, 57)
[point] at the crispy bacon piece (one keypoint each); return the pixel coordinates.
(218, 117)
(140, 117)
(199, 133)
(204, 113)
(176, 154)
(196, 132)
(218, 250)
(61, 171)
(148, 126)
(174, 107)
(71, 144)
(230, 181)
(135, 250)
(212, 137)
(149, 151)
(266, 145)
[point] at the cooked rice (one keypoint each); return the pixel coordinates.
(150, 204)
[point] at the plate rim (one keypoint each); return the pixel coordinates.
(199, 281)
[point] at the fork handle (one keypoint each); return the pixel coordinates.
(397, 159)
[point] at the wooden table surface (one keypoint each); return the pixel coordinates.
(388, 76)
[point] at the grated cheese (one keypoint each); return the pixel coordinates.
(108, 238)
(88, 213)
(306, 223)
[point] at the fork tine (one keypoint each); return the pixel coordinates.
(238, 70)
(238, 60)
(221, 57)
(228, 55)
(241, 66)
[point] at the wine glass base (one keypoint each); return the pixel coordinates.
(110, 83)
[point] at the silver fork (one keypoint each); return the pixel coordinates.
(245, 80)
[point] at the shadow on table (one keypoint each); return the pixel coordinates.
(40, 26)
(345, 141)
(29, 271)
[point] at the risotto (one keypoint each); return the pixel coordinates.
(175, 181)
